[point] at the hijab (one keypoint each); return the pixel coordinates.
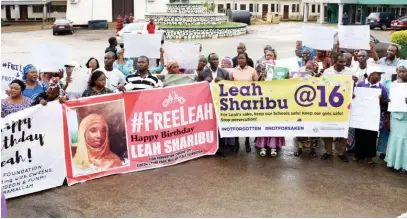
(229, 61)
(86, 156)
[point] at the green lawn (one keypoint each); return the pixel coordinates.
(224, 25)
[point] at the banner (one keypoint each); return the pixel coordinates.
(139, 130)
(32, 153)
(172, 80)
(308, 107)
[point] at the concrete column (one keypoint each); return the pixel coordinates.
(322, 14)
(340, 14)
(44, 16)
(306, 11)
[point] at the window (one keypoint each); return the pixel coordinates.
(220, 8)
(272, 7)
(58, 8)
(319, 8)
(293, 7)
(228, 6)
(278, 7)
(403, 12)
(38, 9)
(298, 7)
(243, 7)
(313, 8)
(250, 7)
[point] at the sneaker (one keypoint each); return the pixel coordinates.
(273, 152)
(263, 152)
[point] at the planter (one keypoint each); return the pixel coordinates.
(403, 52)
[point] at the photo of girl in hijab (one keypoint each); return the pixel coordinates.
(96, 142)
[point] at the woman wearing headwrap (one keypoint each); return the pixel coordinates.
(52, 93)
(308, 60)
(227, 63)
(93, 152)
(33, 86)
(396, 153)
(173, 68)
(201, 66)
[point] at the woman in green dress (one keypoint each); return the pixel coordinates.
(396, 153)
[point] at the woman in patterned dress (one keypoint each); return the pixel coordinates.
(16, 101)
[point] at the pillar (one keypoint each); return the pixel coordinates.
(306, 11)
(44, 16)
(340, 14)
(322, 14)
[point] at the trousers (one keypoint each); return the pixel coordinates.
(340, 145)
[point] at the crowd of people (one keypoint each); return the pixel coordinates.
(120, 74)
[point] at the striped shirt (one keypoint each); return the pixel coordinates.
(137, 82)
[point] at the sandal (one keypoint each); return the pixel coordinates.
(273, 152)
(298, 153)
(326, 156)
(263, 152)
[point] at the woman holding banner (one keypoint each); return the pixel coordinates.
(274, 143)
(243, 72)
(396, 153)
(33, 86)
(52, 93)
(93, 152)
(16, 101)
(201, 66)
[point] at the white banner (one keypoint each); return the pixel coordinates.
(32, 153)
(186, 54)
(9, 72)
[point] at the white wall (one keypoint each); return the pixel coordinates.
(141, 7)
(81, 12)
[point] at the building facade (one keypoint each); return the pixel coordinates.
(25, 10)
(357, 10)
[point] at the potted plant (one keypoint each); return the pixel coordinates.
(400, 37)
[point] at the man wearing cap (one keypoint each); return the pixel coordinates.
(365, 140)
(76, 80)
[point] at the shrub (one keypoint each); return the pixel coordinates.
(399, 37)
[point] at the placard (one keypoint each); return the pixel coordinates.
(51, 57)
(9, 72)
(354, 37)
(321, 38)
(186, 54)
(136, 45)
(398, 94)
(365, 98)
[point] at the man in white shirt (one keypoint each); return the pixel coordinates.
(360, 70)
(114, 77)
(339, 68)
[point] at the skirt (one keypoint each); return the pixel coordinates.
(396, 153)
(365, 143)
(383, 139)
(271, 142)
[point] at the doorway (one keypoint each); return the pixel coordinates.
(286, 12)
(358, 15)
(8, 12)
(122, 7)
(265, 10)
(23, 12)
